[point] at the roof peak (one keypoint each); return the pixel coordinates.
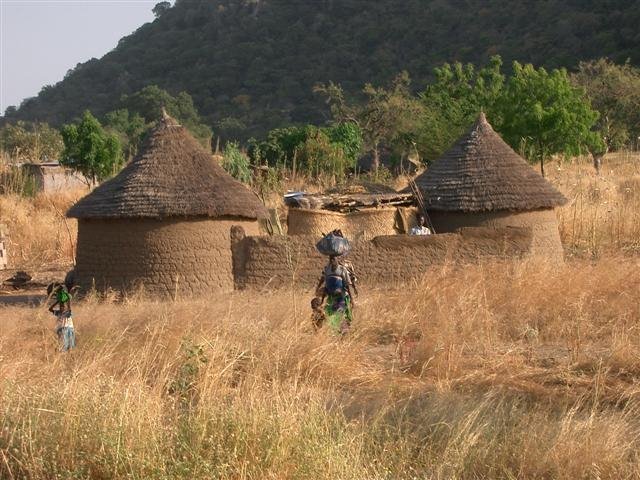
(167, 120)
(171, 176)
(480, 172)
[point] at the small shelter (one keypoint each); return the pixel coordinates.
(52, 177)
(361, 211)
(164, 222)
(482, 182)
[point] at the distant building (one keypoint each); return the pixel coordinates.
(482, 182)
(165, 222)
(52, 177)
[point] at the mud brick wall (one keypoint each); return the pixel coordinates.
(171, 257)
(543, 224)
(277, 262)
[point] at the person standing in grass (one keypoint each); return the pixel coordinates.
(337, 290)
(64, 323)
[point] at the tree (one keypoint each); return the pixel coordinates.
(349, 137)
(129, 127)
(318, 155)
(149, 102)
(230, 128)
(236, 163)
(543, 114)
(280, 146)
(454, 100)
(161, 8)
(389, 115)
(310, 149)
(90, 150)
(31, 142)
(614, 91)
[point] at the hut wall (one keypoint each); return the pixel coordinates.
(543, 223)
(278, 262)
(60, 180)
(183, 257)
(50, 179)
(365, 224)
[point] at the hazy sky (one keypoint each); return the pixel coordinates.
(41, 39)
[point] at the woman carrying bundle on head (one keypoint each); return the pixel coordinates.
(337, 289)
(336, 285)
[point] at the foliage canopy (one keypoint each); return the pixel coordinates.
(90, 150)
(31, 142)
(250, 66)
(543, 114)
(614, 91)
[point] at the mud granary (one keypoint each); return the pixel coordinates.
(365, 210)
(164, 222)
(482, 182)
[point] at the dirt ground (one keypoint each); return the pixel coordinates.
(34, 291)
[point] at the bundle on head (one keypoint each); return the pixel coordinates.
(333, 245)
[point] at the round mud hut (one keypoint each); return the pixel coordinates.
(482, 182)
(164, 222)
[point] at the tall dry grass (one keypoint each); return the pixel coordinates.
(496, 371)
(39, 235)
(522, 370)
(603, 213)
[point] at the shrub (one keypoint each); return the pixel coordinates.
(236, 163)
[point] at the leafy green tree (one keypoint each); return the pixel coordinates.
(129, 127)
(388, 116)
(311, 149)
(349, 137)
(280, 146)
(31, 142)
(230, 128)
(149, 102)
(318, 156)
(543, 114)
(614, 91)
(453, 101)
(236, 162)
(90, 150)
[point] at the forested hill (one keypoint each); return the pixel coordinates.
(250, 65)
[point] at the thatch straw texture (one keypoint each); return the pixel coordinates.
(482, 173)
(172, 176)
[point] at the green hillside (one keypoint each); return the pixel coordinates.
(250, 65)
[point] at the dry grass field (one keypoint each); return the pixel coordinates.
(509, 370)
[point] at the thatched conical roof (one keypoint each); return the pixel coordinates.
(172, 176)
(482, 173)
